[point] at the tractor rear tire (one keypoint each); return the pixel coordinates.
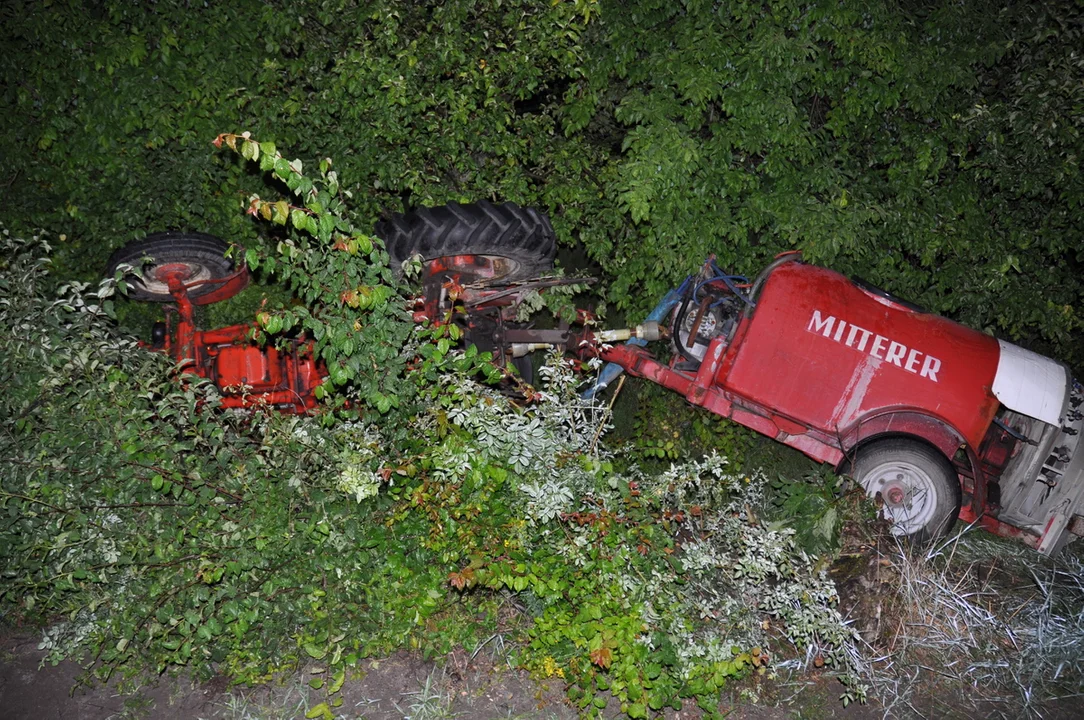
(522, 238)
(202, 254)
(919, 490)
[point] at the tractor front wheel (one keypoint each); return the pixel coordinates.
(190, 257)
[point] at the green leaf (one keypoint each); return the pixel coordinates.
(320, 711)
(315, 651)
(280, 213)
(326, 225)
(337, 682)
(299, 219)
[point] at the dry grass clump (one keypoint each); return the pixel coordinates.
(979, 626)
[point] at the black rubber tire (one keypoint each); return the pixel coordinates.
(525, 367)
(205, 254)
(929, 510)
(520, 235)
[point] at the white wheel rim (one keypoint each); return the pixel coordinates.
(193, 272)
(908, 495)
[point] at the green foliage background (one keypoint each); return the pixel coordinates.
(933, 149)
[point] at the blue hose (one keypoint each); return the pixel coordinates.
(612, 371)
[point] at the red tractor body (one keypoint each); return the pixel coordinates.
(246, 373)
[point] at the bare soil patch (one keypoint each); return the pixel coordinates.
(399, 686)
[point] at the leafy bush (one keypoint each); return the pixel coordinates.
(665, 428)
(814, 507)
(419, 103)
(147, 527)
(159, 527)
(908, 145)
(932, 150)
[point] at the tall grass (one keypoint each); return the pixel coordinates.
(984, 626)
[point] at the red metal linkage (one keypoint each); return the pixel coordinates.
(246, 373)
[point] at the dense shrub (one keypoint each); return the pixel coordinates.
(932, 150)
(147, 527)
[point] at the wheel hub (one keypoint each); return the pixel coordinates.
(174, 271)
(907, 494)
(156, 279)
(894, 495)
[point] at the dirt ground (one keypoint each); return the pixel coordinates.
(396, 687)
(400, 686)
(406, 687)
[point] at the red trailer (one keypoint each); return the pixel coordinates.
(938, 419)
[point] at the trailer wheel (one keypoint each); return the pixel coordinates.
(480, 241)
(197, 256)
(920, 492)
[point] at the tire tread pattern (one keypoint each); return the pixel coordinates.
(508, 230)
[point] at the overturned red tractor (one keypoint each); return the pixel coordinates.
(938, 420)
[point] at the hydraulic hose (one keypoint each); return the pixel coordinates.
(612, 371)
